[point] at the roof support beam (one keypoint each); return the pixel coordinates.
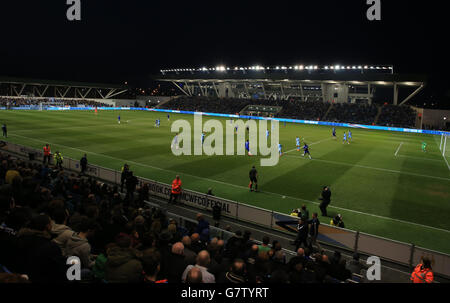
(215, 88)
(179, 87)
(413, 94)
(117, 93)
(395, 93)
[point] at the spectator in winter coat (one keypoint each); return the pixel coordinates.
(123, 265)
(39, 257)
(78, 244)
(60, 232)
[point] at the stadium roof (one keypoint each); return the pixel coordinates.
(375, 75)
(13, 80)
(293, 77)
(17, 87)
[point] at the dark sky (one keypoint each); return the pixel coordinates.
(129, 40)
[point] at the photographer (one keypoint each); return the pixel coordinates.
(326, 199)
(337, 221)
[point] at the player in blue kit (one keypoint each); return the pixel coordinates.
(267, 133)
(349, 136)
(203, 138)
(247, 147)
(297, 143)
(345, 139)
(334, 133)
(118, 119)
(306, 151)
(280, 149)
(168, 117)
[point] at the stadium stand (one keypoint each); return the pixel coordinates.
(391, 115)
(48, 214)
(352, 113)
(397, 116)
(17, 102)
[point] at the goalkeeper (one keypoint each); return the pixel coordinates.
(424, 147)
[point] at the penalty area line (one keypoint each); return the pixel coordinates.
(396, 152)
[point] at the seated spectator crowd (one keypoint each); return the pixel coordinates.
(17, 102)
(48, 215)
(397, 116)
(352, 113)
(391, 115)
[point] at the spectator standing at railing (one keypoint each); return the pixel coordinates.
(5, 131)
(302, 234)
(423, 273)
(124, 175)
(131, 182)
(83, 163)
(314, 230)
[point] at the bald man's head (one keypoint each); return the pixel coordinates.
(178, 248)
(194, 276)
(238, 267)
(300, 252)
(220, 243)
(186, 240)
(203, 258)
(195, 237)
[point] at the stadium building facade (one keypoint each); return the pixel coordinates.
(338, 84)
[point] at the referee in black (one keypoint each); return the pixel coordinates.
(5, 131)
(253, 174)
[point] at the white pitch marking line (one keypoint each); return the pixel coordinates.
(396, 152)
(374, 168)
(242, 187)
(309, 145)
(443, 156)
(418, 158)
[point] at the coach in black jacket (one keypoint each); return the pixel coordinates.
(326, 199)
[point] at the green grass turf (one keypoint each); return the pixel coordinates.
(404, 197)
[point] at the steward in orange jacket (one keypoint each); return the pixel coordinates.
(176, 190)
(422, 273)
(47, 154)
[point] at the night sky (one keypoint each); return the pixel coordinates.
(118, 41)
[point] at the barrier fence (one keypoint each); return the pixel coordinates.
(374, 127)
(398, 252)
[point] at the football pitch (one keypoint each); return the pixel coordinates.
(382, 183)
